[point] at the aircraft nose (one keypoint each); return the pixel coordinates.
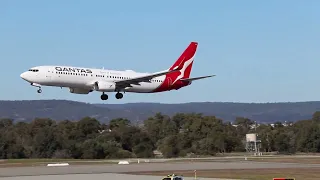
(24, 75)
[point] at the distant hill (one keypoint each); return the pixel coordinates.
(72, 110)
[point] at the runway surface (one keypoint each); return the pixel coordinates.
(115, 168)
(95, 176)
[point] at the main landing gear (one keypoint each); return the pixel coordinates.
(105, 96)
(39, 90)
(119, 95)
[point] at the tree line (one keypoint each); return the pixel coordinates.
(178, 136)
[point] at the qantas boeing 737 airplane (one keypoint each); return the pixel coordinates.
(85, 80)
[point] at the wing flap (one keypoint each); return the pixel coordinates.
(137, 80)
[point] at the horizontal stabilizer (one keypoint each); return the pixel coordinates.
(196, 78)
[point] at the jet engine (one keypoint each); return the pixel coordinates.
(104, 86)
(79, 91)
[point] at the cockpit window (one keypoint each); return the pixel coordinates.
(34, 70)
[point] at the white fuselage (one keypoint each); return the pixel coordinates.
(85, 80)
(82, 78)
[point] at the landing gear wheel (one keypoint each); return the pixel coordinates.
(104, 97)
(39, 90)
(119, 95)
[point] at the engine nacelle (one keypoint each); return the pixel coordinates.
(104, 86)
(79, 91)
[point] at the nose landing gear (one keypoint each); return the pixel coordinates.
(38, 86)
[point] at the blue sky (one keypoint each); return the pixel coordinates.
(261, 51)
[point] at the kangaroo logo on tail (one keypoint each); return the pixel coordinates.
(183, 73)
(186, 61)
(178, 79)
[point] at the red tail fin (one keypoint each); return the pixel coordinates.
(185, 61)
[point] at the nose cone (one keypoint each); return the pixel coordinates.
(24, 75)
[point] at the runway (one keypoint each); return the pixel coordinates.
(115, 168)
(95, 176)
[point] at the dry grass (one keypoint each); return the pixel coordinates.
(41, 162)
(44, 162)
(249, 174)
(293, 159)
(304, 160)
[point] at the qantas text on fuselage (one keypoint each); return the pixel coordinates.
(81, 80)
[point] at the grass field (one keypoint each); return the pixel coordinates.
(280, 159)
(41, 162)
(285, 159)
(249, 174)
(304, 160)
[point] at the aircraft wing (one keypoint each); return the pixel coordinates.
(196, 78)
(128, 82)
